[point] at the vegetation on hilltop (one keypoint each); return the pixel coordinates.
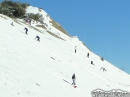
(18, 10)
(36, 17)
(13, 9)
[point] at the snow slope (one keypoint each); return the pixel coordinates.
(29, 68)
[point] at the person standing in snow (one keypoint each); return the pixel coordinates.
(73, 78)
(30, 21)
(88, 55)
(38, 38)
(75, 49)
(26, 30)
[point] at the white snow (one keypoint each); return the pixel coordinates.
(29, 68)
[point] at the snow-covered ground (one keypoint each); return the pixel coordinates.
(29, 68)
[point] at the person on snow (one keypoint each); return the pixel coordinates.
(26, 30)
(73, 78)
(88, 55)
(75, 49)
(30, 21)
(102, 68)
(38, 38)
(92, 62)
(12, 24)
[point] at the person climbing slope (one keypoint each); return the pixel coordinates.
(38, 38)
(26, 30)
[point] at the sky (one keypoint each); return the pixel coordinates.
(29, 68)
(103, 25)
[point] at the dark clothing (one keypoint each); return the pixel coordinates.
(26, 30)
(73, 82)
(92, 62)
(73, 78)
(88, 55)
(38, 38)
(75, 49)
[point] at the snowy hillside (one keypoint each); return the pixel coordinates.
(46, 20)
(29, 68)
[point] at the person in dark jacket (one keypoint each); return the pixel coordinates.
(73, 78)
(88, 55)
(26, 30)
(75, 49)
(38, 38)
(92, 62)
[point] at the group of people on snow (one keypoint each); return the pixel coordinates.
(26, 32)
(74, 77)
